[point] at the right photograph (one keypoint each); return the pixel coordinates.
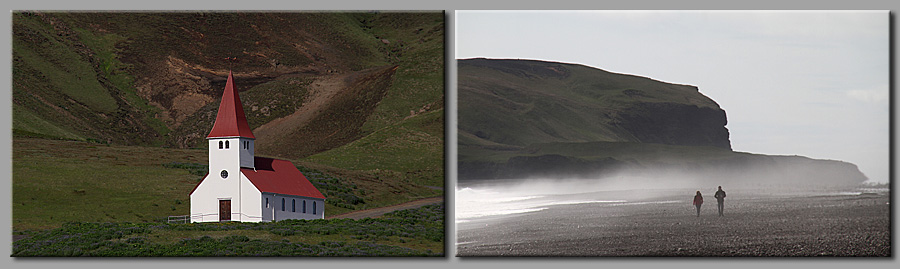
(673, 133)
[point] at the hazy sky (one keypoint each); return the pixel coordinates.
(803, 83)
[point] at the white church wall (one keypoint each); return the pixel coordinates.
(215, 187)
(245, 147)
(202, 210)
(249, 207)
(244, 200)
(293, 207)
(204, 202)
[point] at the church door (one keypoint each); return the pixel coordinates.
(224, 210)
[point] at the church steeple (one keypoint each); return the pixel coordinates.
(231, 142)
(231, 121)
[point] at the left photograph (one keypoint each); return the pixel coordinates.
(228, 133)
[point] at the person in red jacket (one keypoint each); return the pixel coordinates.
(698, 201)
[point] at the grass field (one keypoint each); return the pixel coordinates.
(55, 182)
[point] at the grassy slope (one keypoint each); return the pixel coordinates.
(524, 102)
(69, 84)
(398, 144)
(60, 181)
(412, 151)
(96, 60)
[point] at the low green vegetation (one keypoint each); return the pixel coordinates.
(343, 195)
(196, 169)
(55, 182)
(69, 83)
(27, 124)
(414, 42)
(275, 99)
(412, 150)
(413, 232)
(118, 74)
(63, 69)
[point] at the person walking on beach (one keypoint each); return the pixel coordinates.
(720, 197)
(698, 201)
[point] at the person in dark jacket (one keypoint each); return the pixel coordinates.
(720, 197)
(698, 201)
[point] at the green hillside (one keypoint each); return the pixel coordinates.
(151, 78)
(521, 102)
(521, 119)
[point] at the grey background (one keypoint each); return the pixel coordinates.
(450, 261)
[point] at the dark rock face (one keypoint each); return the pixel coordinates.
(520, 102)
(535, 119)
(676, 124)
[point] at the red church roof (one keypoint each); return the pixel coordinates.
(281, 177)
(277, 176)
(231, 121)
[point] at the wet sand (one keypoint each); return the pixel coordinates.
(848, 225)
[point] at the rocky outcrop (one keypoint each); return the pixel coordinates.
(675, 124)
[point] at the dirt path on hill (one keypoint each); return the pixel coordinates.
(322, 92)
(377, 212)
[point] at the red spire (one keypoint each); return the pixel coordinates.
(231, 121)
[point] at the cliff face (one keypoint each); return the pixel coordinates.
(521, 102)
(676, 124)
(533, 119)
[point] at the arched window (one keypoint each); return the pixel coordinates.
(314, 207)
(267, 202)
(293, 205)
(304, 206)
(282, 204)
(220, 144)
(226, 144)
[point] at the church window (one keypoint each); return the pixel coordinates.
(220, 144)
(293, 205)
(304, 206)
(267, 202)
(314, 207)
(226, 144)
(282, 204)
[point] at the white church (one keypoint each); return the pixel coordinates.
(242, 187)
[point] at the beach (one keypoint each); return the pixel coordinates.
(754, 224)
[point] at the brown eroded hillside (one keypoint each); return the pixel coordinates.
(152, 78)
